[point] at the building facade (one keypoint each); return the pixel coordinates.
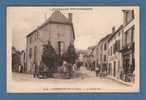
(101, 54)
(58, 29)
(114, 54)
(128, 44)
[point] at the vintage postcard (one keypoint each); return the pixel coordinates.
(58, 49)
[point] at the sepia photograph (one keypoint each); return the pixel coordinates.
(65, 49)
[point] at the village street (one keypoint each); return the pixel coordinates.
(53, 43)
(84, 76)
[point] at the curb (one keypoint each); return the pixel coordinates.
(120, 81)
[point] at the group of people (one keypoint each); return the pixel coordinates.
(43, 71)
(68, 69)
(100, 71)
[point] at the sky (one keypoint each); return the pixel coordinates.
(90, 23)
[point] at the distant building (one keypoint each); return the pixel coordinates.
(85, 60)
(58, 29)
(114, 54)
(91, 49)
(91, 55)
(81, 54)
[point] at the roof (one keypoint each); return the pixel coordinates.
(82, 51)
(109, 36)
(58, 18)
(113, 34)
(104, 38)
(92, 47)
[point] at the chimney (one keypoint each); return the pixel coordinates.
(70, 16)
(113, 29)
(124, 17)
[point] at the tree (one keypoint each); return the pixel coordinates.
(15, 59)
(70, 56)
(49, 57)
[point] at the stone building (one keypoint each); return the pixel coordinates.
(102, 54)
(128, 42)
(114, 54)
(58, 29)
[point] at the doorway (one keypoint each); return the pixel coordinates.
(114, 74)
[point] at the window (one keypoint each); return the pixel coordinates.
(105, 46)
(119, 33)
(114, 48)
(37, 34)
(126, 35)
(117, 45)
(30, 53)
(101, 47)
(30, 39)
(104, 57)
(129, 36)
(100, 57)
(109, 52)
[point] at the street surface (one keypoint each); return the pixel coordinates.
(86, 79)
(83, 75)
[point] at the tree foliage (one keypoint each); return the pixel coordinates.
(15, 58)
(70, 56)
(49, 55)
